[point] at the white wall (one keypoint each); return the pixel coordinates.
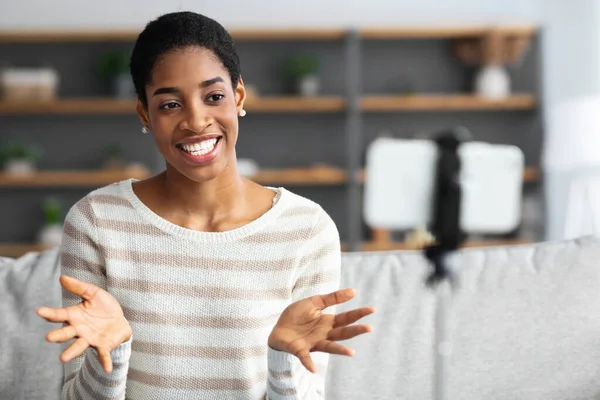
(264, 13)
(571, 50)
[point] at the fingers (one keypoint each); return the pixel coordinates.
(53, 314)
(81, 289)
(331, 299)
(105, 360)
(350, 317)
(348, 332)
(75, 350)
(327, 346)
(61, 335)
(307, 361)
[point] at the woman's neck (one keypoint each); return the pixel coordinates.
(223, 203)
(210, 199)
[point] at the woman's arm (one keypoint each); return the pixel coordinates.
(319, 274)
(81, 258)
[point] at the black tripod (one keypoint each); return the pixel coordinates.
(449, 237)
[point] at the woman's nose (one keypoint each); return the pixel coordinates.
(196, 118)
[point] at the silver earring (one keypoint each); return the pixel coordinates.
(242, 113)
(145, 130)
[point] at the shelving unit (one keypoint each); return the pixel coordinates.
(351, 106)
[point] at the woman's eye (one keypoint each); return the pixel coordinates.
(169, 106)
(215, 97)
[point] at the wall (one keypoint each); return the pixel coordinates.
(571, 145)
(264, 13)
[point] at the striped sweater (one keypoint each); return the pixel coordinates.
(201, 304)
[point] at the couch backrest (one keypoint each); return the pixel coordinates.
(29, 366)
(523, 322)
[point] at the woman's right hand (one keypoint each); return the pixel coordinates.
(97, 321)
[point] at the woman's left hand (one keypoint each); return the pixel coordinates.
(303, 327)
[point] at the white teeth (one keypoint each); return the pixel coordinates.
(198, 149)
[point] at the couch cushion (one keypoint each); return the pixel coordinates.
(29, 366)
(523, 322)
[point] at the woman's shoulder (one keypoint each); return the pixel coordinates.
(305, 211)
(103, 200)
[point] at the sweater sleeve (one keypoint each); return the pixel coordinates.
(319, 273)
(82, 259)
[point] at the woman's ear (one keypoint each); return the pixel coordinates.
(142, 112)
(240, 96)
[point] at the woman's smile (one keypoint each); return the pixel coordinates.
(200, 150)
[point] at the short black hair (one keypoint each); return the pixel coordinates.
(175, 31)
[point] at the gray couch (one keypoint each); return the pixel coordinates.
(521, 322)
(29, 366)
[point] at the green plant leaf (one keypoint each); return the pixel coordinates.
(113, 63)
(300, 65)
(53, 210)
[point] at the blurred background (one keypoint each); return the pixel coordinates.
(325, 78)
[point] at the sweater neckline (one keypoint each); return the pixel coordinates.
(280, 202)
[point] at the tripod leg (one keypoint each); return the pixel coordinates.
(441, 344)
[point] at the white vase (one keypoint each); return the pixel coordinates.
(492, 82)
(308, 85)
(247, 167)
(19, 167)
(123, 87)
(50, 235)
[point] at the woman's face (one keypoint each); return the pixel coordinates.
(193, 113)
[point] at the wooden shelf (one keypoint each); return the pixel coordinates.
(321, 176)
(49, 36)
(70, 106)
(293, 176)
(444, 32)
(115, 106)
(530, 175)
(288, 34)
(276, 104)
(61, 35)
(70, 178)
(295, 104)
(449, 102)
(14, 250)
(387, 246)
(18, 249)
(414, 32)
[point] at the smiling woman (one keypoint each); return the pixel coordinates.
(197, 283)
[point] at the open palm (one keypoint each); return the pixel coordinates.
(303, 327)
(97, 322)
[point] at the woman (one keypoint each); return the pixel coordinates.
(197, 283)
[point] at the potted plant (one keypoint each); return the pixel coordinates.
(51, 233)
(115, 159)
(19, 158)
(113, 67)
(301, 71)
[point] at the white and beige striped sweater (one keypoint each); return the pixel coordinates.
(201, 304)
